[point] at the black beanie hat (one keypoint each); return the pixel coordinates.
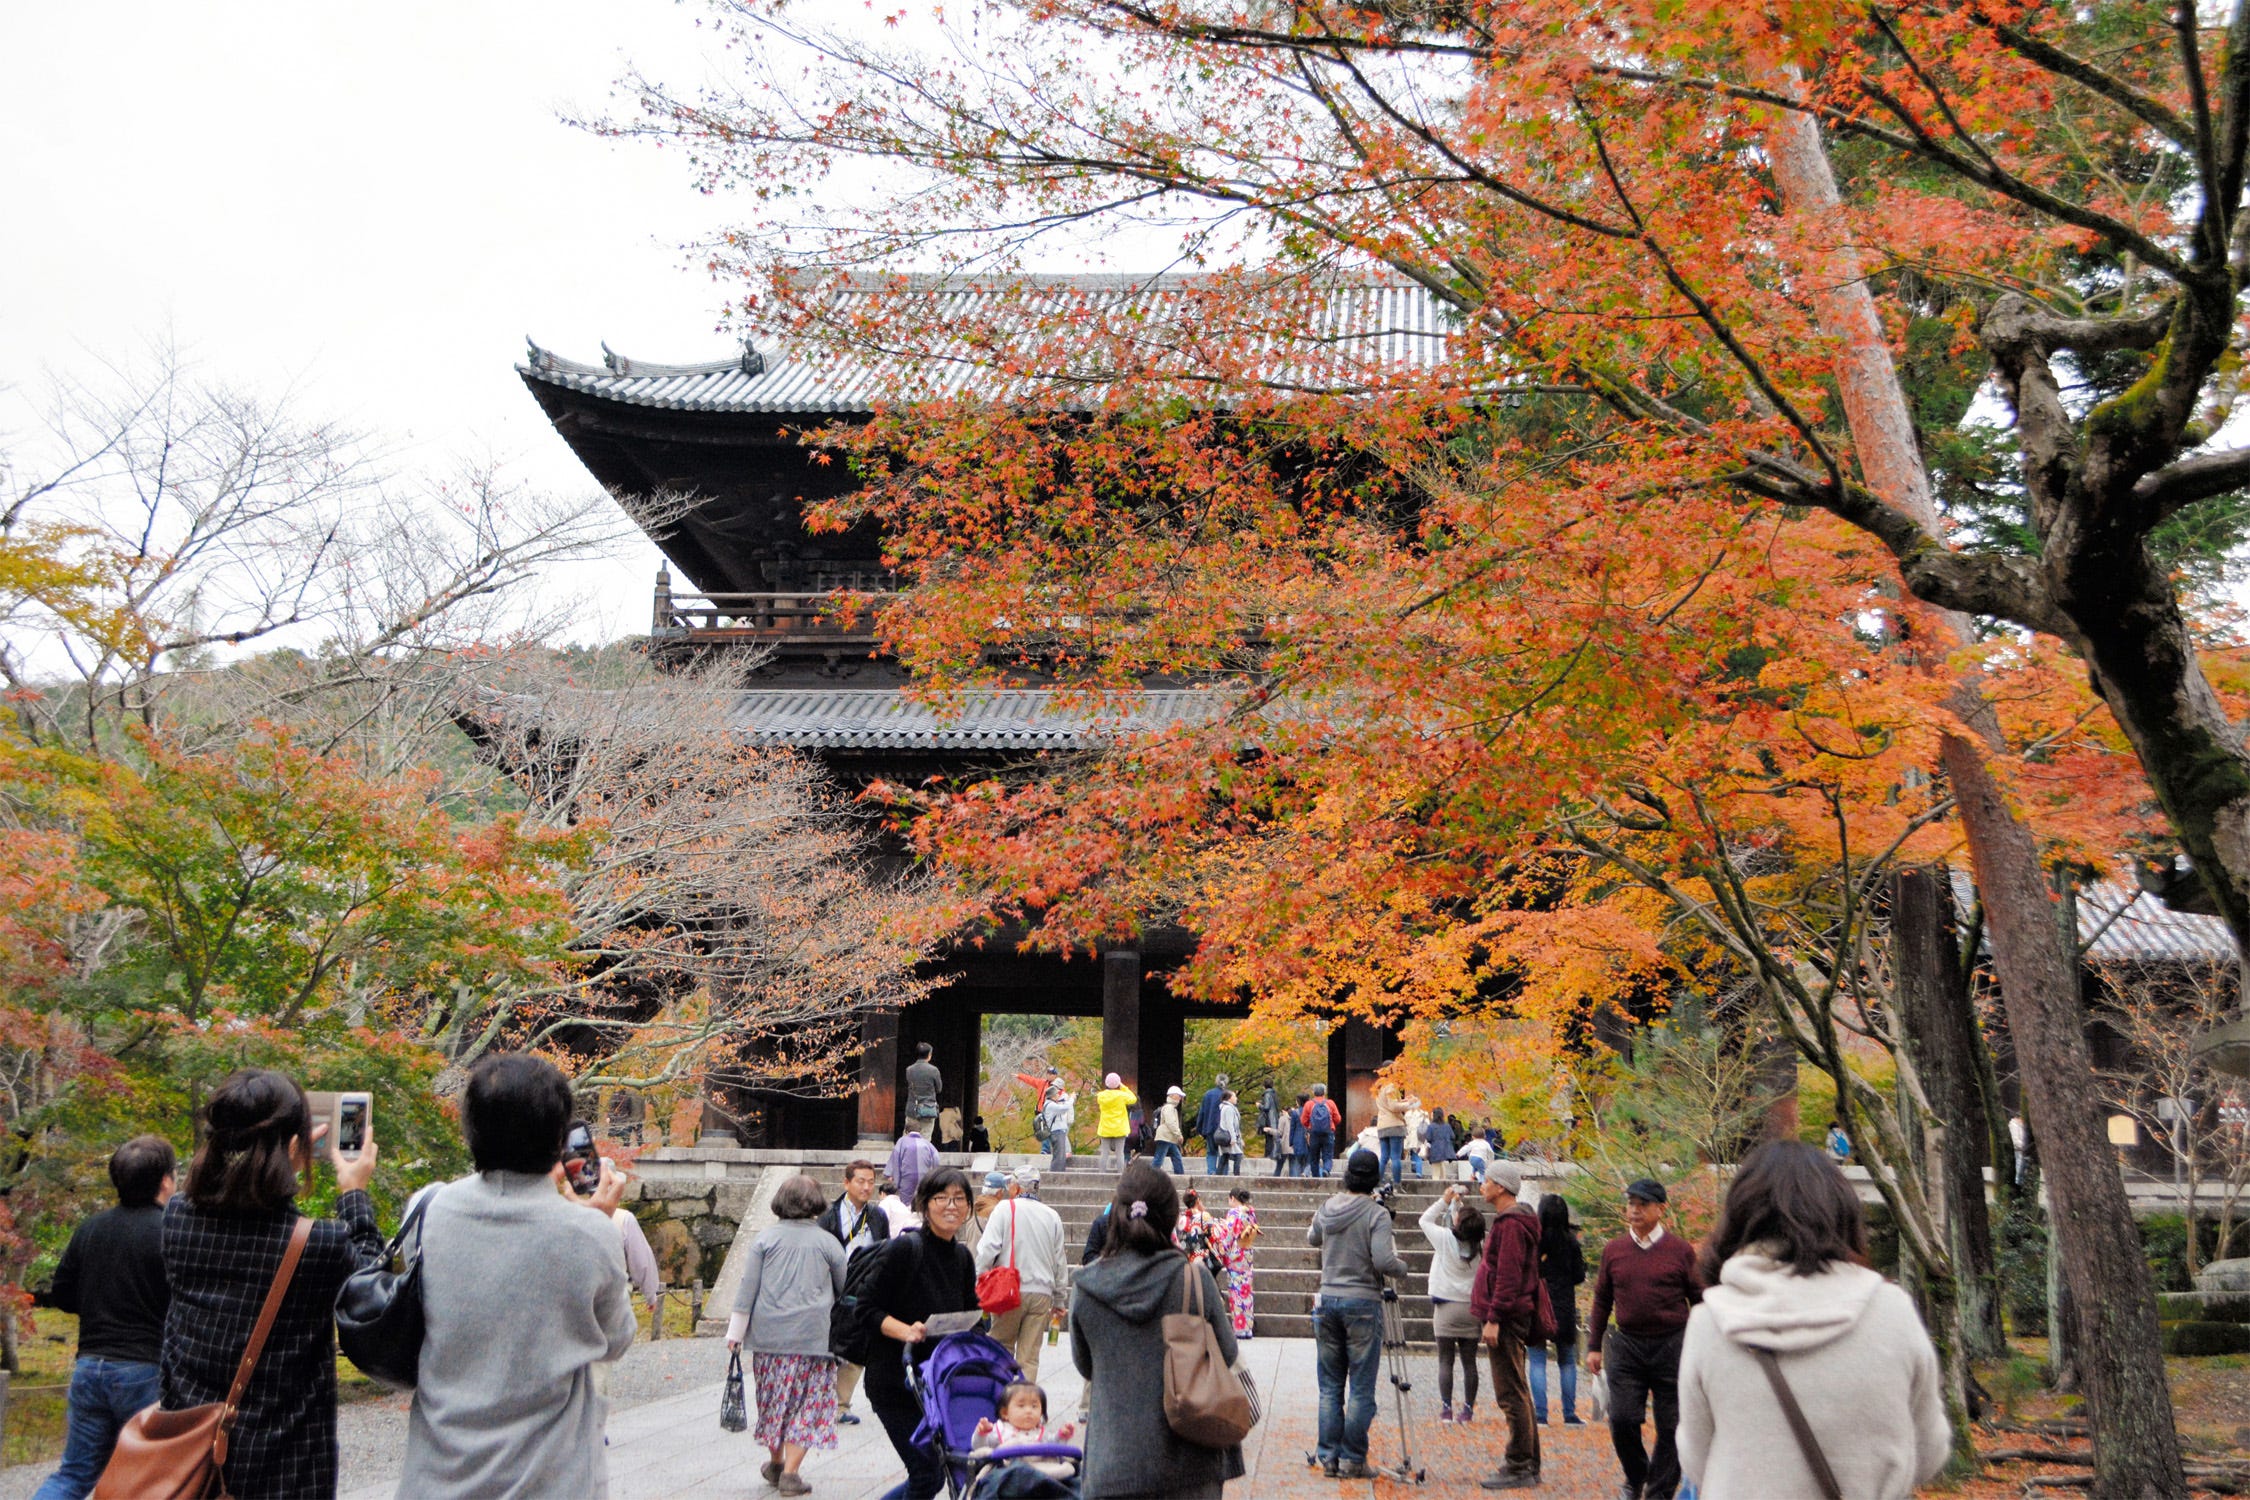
(1362, 1172)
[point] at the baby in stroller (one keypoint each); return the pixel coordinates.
(991, 1424)
(1023, 1421)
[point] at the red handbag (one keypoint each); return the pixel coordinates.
(1000, 1290)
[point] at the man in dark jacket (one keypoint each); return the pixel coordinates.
(1207, 1124)
(112, 1276)
(1505, 1299)
(1648, 1279)
(857, 1223)
(1357, 1253)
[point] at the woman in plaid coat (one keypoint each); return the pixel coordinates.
(223, 1241)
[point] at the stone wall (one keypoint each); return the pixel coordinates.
(690, 1201)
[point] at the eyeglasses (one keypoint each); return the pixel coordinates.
(949, 1200)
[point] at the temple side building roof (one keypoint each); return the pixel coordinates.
(2118, 922)
(993, 719)
(1347, 328)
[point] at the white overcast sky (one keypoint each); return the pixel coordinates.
(371, 204)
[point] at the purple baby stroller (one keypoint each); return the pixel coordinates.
(959, 1385)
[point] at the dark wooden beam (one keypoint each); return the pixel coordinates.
(878, 1076)
(1121, 1015)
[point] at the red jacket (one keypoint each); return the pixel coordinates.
(1324, 1106)
(1507, 1285)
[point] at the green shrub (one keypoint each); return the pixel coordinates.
(2193, 1339)
(2190, 1307)
(2164, 1242)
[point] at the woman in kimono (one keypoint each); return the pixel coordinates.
(1232, 1240)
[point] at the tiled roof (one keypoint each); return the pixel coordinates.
(2121, 923)
(1334, 337)
(999, 719)
(2126, 924)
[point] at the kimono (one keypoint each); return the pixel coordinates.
(1232, 1239)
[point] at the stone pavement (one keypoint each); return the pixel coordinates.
(672, 1445)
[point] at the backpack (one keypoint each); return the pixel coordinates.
(855, 1322)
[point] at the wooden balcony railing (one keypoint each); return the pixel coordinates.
(806, 617)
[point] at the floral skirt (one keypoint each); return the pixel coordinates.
(796, 1399)
(1240, 1300)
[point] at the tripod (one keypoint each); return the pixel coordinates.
(1405, 1471)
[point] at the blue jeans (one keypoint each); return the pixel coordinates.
(1566, 1371)
(1348, 1334)
(1168, 1149)
(1320, 1145)
(104, 1394)
(1393, 1153)
(1210, 1158)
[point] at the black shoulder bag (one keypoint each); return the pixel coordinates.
(1809, 1445)
(379, 1310)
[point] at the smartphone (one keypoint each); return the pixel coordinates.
(582, 1160)
(349, 1116)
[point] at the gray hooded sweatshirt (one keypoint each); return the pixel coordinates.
(1117, 1310)
(1357, 1248)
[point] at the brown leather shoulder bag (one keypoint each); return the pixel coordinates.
(182, 1455)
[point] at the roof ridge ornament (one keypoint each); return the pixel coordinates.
(752, 362)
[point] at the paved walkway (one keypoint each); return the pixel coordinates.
(665, 1439)
(672, 1446)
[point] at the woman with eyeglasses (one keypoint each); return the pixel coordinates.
(924, 1272)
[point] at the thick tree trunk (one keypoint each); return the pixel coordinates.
(2136, 1447)
(2128, 627)
(1941, 1029)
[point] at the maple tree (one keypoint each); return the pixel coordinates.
(1690, 239)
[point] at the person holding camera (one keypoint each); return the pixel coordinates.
(523, 1294)
(1358, 1257)
(224, 1240)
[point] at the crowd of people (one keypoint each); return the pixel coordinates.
(1303, 1137)
(854, 1293)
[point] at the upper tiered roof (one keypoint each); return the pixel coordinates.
(1334, 335)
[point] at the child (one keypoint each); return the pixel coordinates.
(1023, 1420)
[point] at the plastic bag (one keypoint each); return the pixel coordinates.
(734, 1409)
(1595, 1388)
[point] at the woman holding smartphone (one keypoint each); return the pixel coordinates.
(924, 1272)
(224, 1236)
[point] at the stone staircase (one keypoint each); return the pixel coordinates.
(1287, 1269)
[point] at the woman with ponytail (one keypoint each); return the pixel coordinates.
(1117, 1341)
(224, 1236)
(1454, 1226)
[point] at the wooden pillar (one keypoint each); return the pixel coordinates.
(1363, 1060)
(1163, 1048)
(878, 1077)
(964, 1074)
(1121, 1015)
(1355, 1055)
